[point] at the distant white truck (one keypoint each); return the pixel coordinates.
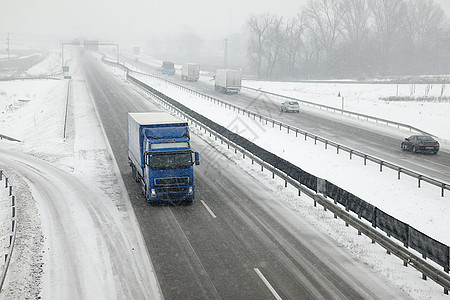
(190, 72)
(228, 81)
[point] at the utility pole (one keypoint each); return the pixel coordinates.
(225, 59)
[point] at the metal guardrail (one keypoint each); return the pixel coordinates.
(386, 242)
(12, 237)
(8, 138)
(67, 108)
(51, 76)
(342, 111)
(366, 157)
(410, 237)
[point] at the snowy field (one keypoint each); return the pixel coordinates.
(400, 198)
(102, 254)
(38, 122)
(431, 116)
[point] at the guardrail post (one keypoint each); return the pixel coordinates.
(365, 159)
(337, 149)
(351, 152)
(315, 140)
(381, 166)
(399, 171)
(424, 277)
(442, 189)
(288, 129)
(1, 174)
(419, 178)
(326, 144)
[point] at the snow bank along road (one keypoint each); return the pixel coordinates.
(252, 246)
(372, 141)
(82, 241)
(71, 246)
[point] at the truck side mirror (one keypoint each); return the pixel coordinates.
(197, 158)
(146, 158)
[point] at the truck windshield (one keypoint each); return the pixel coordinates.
(170, 160)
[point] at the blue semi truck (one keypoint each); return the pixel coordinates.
(160, 156)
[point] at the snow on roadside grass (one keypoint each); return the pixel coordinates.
(431, 116)
(373, 255)
(400, 198)
(36, 100)
(84, 155)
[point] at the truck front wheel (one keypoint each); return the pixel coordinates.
(187, 202)
(134, 173)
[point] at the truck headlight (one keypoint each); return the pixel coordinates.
(153, 193)
(191, 190)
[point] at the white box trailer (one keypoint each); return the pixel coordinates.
(190, 72)
(228, 81)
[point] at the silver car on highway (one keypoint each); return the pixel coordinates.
(290, 105)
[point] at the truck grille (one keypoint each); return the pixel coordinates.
(172, 192)
(172, 181)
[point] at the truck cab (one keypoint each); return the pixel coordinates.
(168, 68)
(161, 158)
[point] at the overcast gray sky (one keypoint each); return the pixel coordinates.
(134, 18)
(139, 19)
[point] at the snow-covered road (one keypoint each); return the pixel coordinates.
(82, 165)
(83, 235)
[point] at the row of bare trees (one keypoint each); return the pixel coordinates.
(351, 39)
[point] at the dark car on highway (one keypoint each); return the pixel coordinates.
(420, 143)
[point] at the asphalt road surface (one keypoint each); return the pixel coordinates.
(372, 140)
(237, 240)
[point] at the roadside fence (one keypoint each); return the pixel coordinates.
(10, 237)
(355, 209)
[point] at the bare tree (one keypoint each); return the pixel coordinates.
(356, 32)
(258, 27)
(355, 20)
(425, 20)
(388, 26)
(293, 46)
(324, 21)
(336, 38)
(425, 23)
(274, 48)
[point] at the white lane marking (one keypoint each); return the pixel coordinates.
(208, 209)
(272, 290)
